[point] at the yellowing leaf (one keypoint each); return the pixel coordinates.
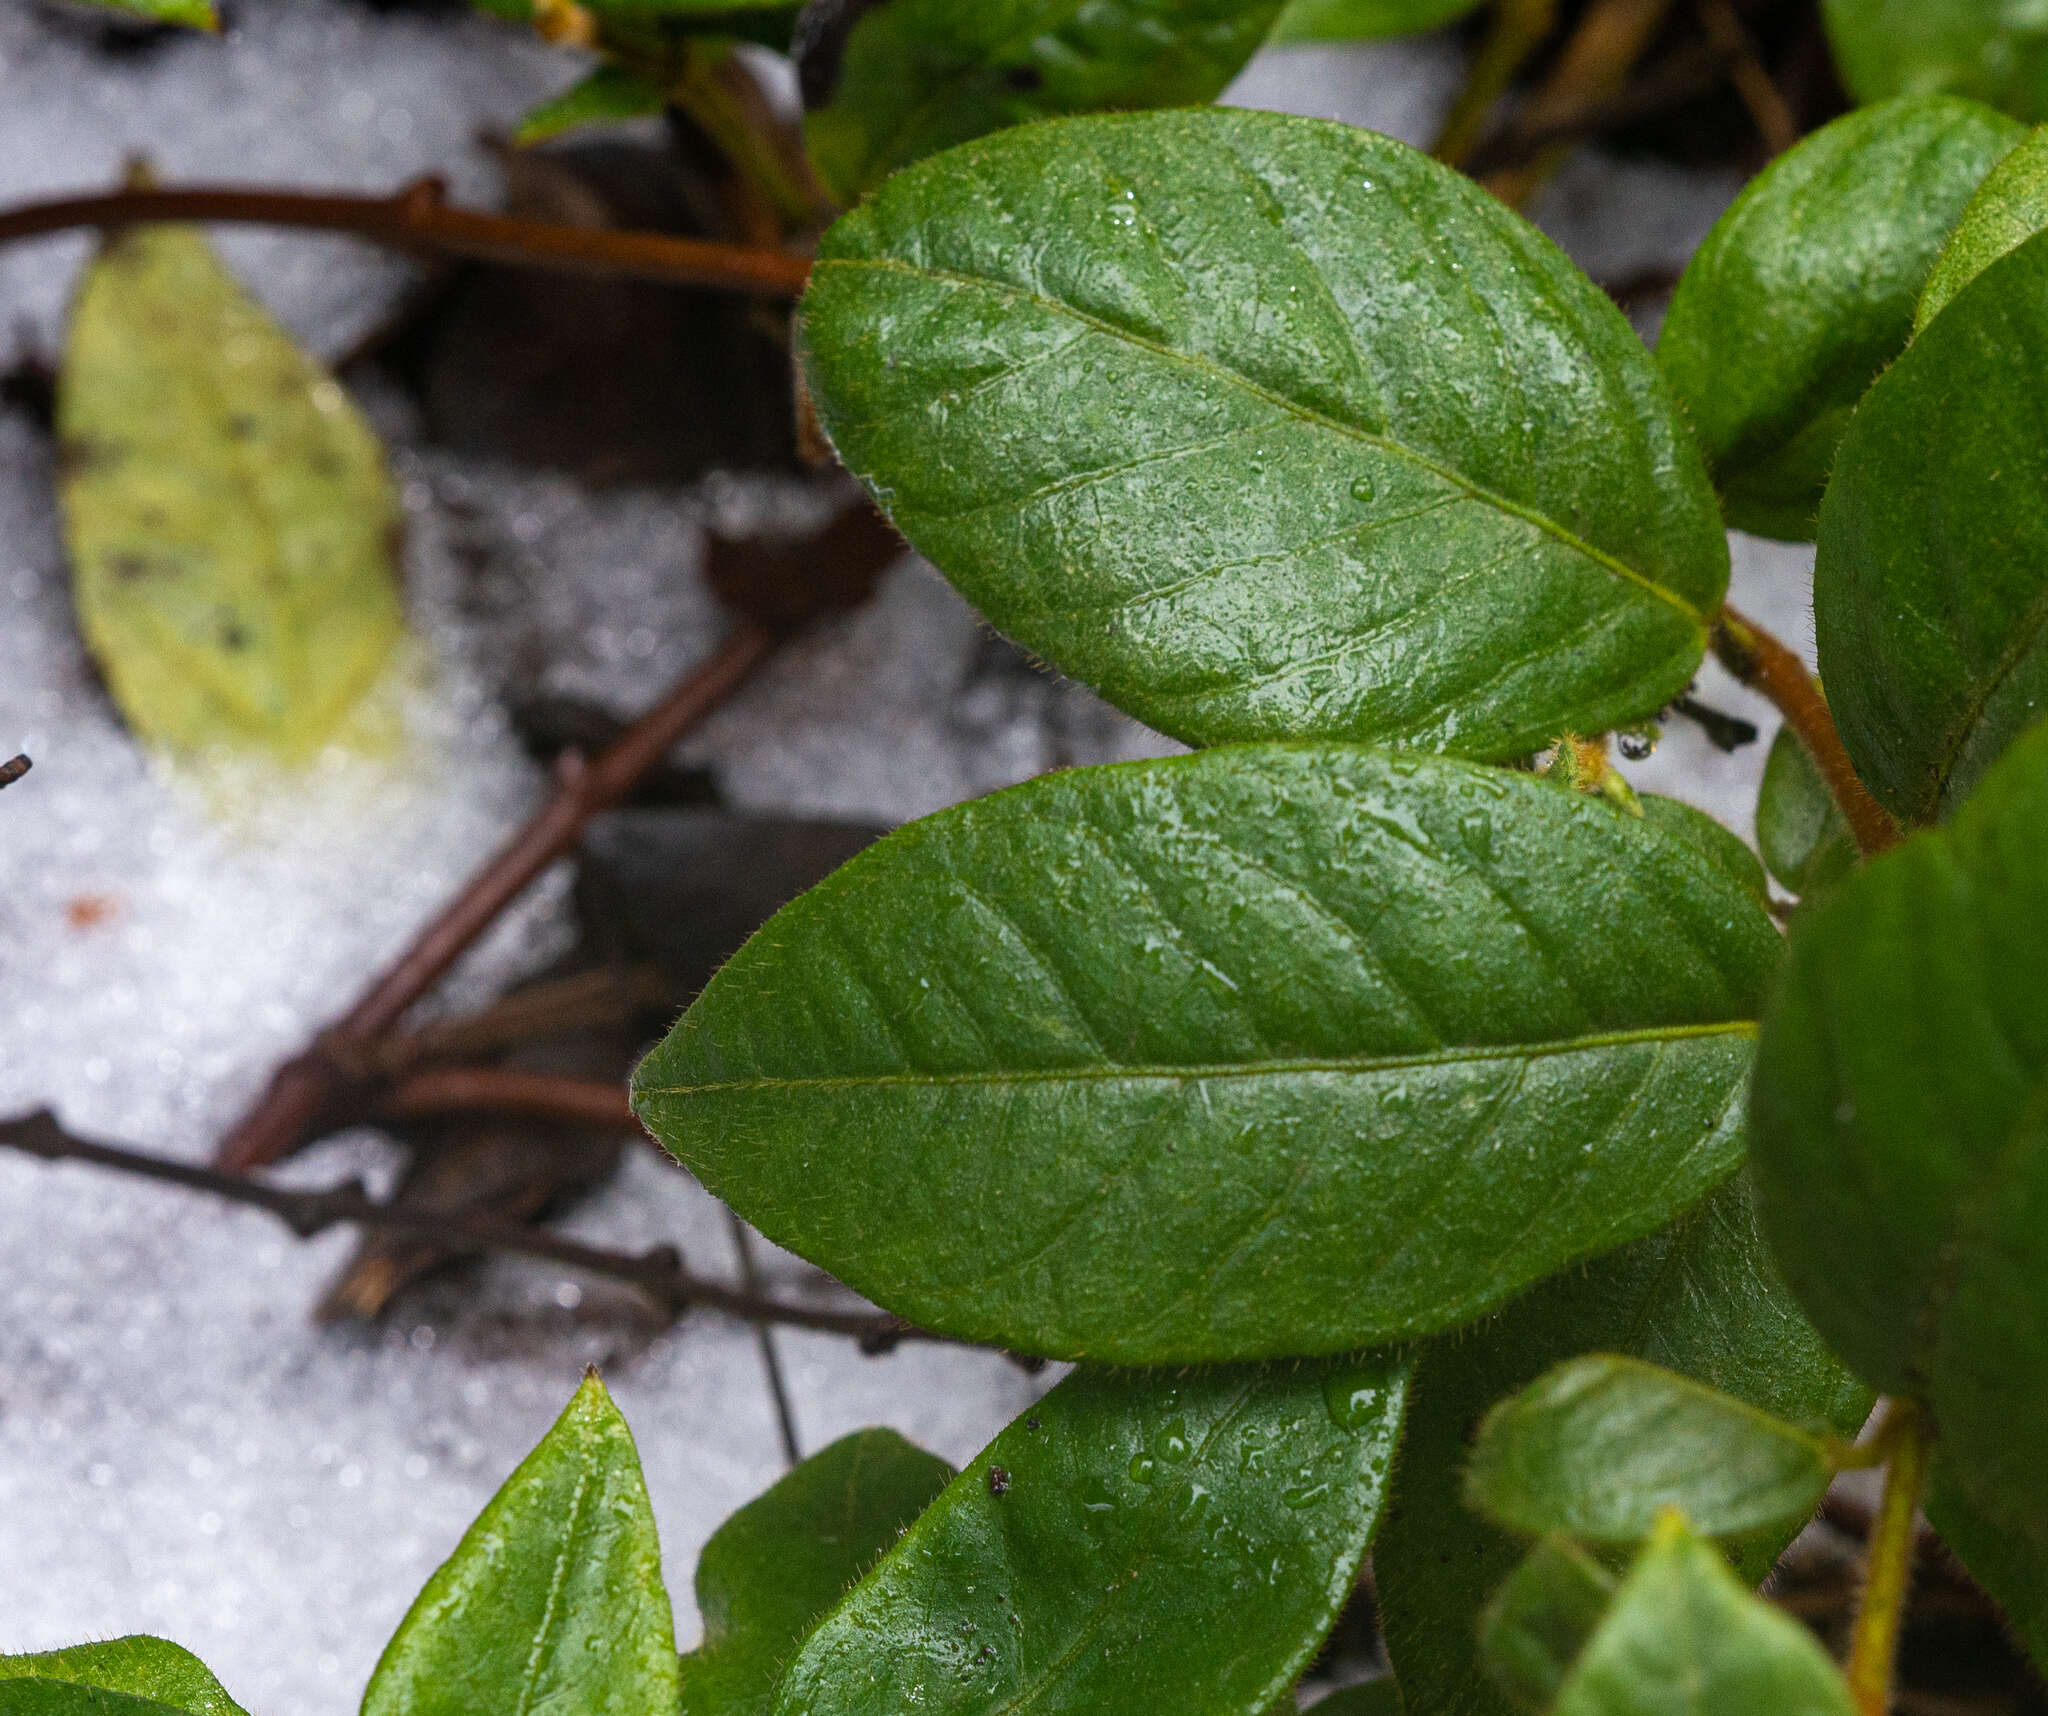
(229, 517)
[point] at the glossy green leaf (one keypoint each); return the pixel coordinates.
(1683, 1638)
(35, 1697)
(1702, 1297)
(1901, 1127)
(1354, 20)
(2008, 1561)
(608, 93)
(1805, 839)
(1931, 583)
(1136, 1541)
(193, 14)
(1599, 1446)
(1720, 846)
(1269, 427)
(1537, 1624)
(1989, 49)
(2010, 207)
(553, 1599)
(1260, 1051)
(1804, 291)
(230, 521)
(137, 1667)
(913, 77)
(1380, 1697)
(773, 1570)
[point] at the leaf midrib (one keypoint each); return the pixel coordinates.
(1205, 1072)
(1542, 522)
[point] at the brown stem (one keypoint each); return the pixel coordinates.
(1768, 109)
(1766, 666)
(659, 1272)
(507, 1090)
(590, 1000)
(13, 769)
(1684, 75)
(417, 218)
(1595, 63)
(1518, 26)
(305, 1086)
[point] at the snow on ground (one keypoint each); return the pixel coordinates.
(181, 1451)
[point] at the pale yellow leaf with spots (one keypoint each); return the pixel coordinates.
(230, 520)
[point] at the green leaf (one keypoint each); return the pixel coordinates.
(1805, 289)
(913, 77)
(1271, 351)
(772, 1570)
(1805, 839)
(1901, 1126)
(2009, 1562)
(1134, 1542)
(35, 1697)
(607, 93)
(1721, 847)
(1253, 1052)
(1931, 674)
(138, 1667)
(553, 1599)
(230, 521)
(1599, 1446)
(1537, 1624)
(193, 14)
(2010, 207)
(1355, 20)
(1989, 49)
(1702, 1297)
(1683, 1638)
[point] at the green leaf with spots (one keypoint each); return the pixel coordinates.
(1683, 1638)
(608, 93)
(892, 81)
(553, 1599)
(1989, 49)
(230, 521)
(1357, 20)
(2009, 208)
(773, 1570)
(1900, 1118)
(1720, 846)
(1804, 291)
(1805, 839)
(1136, 1541)
(1701, 1297)
(1931, 672)
(1535, 1626)
(1247, 1053)
(1269, 427)
(138, 1667)
(1596, 1448)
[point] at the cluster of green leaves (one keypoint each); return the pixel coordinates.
(1349, 1031)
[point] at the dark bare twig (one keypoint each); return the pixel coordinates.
(1768, 109)
(305, 1087)
(605, 996)
(418, 218)
(1724, 732)
(1684, 75)
(13, 769)
(509, 1090)
(764, 1337)
(658, 1272)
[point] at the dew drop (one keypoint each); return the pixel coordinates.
(1352, 1399)
(1142, 1467)
(1362, 489)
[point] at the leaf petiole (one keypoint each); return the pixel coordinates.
(1874, 1646)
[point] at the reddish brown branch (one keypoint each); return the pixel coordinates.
(1766, 666)
(13, 769)
(507, 1090)
(659, 1272)
(304, 1088)
(417, 218)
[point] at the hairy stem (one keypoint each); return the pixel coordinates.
(305, 1087)
(1518, 25)
(658, 1272)
(417, 218)
(1768, 667)
(1874, 1645)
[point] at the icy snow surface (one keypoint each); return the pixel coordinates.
(181, 1451)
